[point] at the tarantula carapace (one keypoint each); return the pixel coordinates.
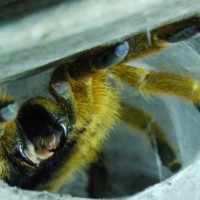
(48, 139)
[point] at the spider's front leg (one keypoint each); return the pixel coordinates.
(178, 31)
(143, 44)
(83, 90)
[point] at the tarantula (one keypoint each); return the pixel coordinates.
(48, 139)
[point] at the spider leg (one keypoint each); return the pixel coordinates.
(144, 44)
(155, 83)
(137, 118)
(178, 31)
(89, 96)
(82, 90)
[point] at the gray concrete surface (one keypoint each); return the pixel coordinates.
(69, 27)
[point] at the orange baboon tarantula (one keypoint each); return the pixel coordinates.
(47, 140)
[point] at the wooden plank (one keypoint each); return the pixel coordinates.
(33, 40)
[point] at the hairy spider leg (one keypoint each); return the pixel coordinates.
(94, 107)
(137, 118)
(142, 45)
(95, 110)
(151, 82)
